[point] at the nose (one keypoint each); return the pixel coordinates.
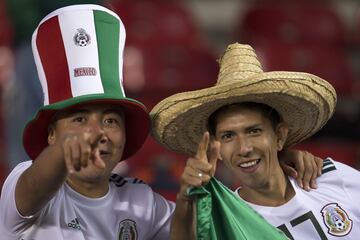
(97, 129)
(245, 147)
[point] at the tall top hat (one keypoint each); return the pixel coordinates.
(78, 52)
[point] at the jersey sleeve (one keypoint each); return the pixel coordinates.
(351, 180)
(163, 211)
(11, 220)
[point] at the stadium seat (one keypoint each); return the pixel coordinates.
(6, 32)
(328, 62)
(291, 22)
(4, 170)
(167, 70)
(150, 151)
(6, 37)
(345, 152)
(158, 167)
(156, 22)
(165, 52)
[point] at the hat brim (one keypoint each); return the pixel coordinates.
(304, 101)
(35, 135)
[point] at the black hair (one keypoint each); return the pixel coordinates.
(265, 110)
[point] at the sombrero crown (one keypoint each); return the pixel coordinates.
(304, 101)
(78, 53)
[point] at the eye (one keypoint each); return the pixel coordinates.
(255, 131)
(112, 122)
(78, 119)
(226, 136)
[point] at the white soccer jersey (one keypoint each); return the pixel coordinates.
(130, 210)
(332, 211)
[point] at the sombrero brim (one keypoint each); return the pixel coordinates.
(304, 101)
(137, 122)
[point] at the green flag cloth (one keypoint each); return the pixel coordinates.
(222, 215)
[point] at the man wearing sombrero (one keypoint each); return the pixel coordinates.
(248, 117)
(86, 126)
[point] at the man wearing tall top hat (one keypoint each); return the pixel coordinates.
(245, 120)
(86, 126)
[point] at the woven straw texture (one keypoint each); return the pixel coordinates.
(304, 101)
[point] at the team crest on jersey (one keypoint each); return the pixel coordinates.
(336, 220)
(82, 38)
(127, 230)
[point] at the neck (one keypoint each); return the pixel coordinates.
(274, 193)
(89, 189)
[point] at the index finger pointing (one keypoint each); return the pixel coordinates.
(92, 138)
(214, 154)
(203, 146)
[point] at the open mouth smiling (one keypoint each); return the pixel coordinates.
(249, 164)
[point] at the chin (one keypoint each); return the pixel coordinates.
(92, 173)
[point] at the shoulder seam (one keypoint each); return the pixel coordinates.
(120, 181)
(328, 166)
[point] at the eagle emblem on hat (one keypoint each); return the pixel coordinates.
(82, 38)
(336, 220)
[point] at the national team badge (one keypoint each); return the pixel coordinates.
(336, 220)
(82, 38)
(127, 230)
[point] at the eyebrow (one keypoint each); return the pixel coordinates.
(256, 125)
(72, 112)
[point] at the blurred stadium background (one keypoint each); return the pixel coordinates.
(172, 46)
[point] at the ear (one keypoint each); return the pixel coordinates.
(282, 131)
(51, 135)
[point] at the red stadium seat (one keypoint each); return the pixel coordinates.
(6, 36)
(164, 51)
(327, 62)
(3, 174)
(6, 32)
(156, 22)
(150, 151)
(161, 71)
(354, 29)
(291, 22)
(345, 152)
(158, 167)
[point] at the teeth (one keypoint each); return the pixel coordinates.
(249, 164)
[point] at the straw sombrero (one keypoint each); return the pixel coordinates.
(78, 52)
(304, 101)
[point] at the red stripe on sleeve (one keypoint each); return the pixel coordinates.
(53, 58)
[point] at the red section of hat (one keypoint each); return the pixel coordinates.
(53, 59)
